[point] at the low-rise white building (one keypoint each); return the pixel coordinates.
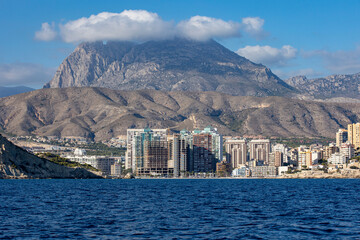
(337, 158)
(241, 172)
(263, 171)
(282, 170)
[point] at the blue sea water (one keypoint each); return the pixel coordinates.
(180, 209)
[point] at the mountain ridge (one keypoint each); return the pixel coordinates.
(333, 86)
(102, 113)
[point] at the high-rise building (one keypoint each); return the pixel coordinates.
(207, 150)
(236, 152)
(283, 149)
(115, 168)
(301, 159)
(293, 155)
(180, 153)
(354, 134)
(134, 151)
(341, 137)
(278, 159)
(259, 150)
(329, 150)
(154, 160)
(347, 150)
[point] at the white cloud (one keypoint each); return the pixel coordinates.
(340, 62)
(128, 25)
(28, 74)
(254, 26)
(47, 32)
(141, 25)
(203, 28)
(268, 55)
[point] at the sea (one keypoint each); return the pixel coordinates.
(180, 209)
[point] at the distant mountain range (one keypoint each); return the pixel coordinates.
(101, 113)
(170, 65)
(8, 91)
(334, 86)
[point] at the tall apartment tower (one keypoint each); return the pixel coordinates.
(180, 146)
(136, 143)
(236, 152)
(207, 150)
(259, 150)
(278, 159)
(354, 134)
(341, 137)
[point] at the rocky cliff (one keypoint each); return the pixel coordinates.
(171, 65)
(102, 113)
(18, 163)
(334, 86)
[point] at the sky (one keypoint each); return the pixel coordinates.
(303, 37)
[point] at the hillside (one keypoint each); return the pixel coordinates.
(169, 65)
(18, 163)
(101, 113)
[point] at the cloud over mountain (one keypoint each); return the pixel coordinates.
(203, 28)
(128, 25)
(268, 55)
(141, 25)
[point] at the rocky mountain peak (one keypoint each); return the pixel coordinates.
(169, 65)
(294, 81)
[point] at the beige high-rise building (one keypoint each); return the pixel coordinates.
(236, 152)
(278, 159)
(354, 134)
(341, 137)
(259, 150)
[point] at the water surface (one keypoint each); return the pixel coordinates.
(180, 209)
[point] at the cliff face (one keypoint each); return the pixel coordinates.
(18, 163)
(102, 113)
(333, 86)
(171, 65)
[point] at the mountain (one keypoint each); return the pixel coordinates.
(102, 113)
(169, 65)
(15, 162)
(8, 91)
(334, 86)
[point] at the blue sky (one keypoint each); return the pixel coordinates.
(312, 38)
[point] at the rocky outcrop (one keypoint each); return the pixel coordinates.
(15, 162)
(102, 113)
(171, 65)
(334, 86)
